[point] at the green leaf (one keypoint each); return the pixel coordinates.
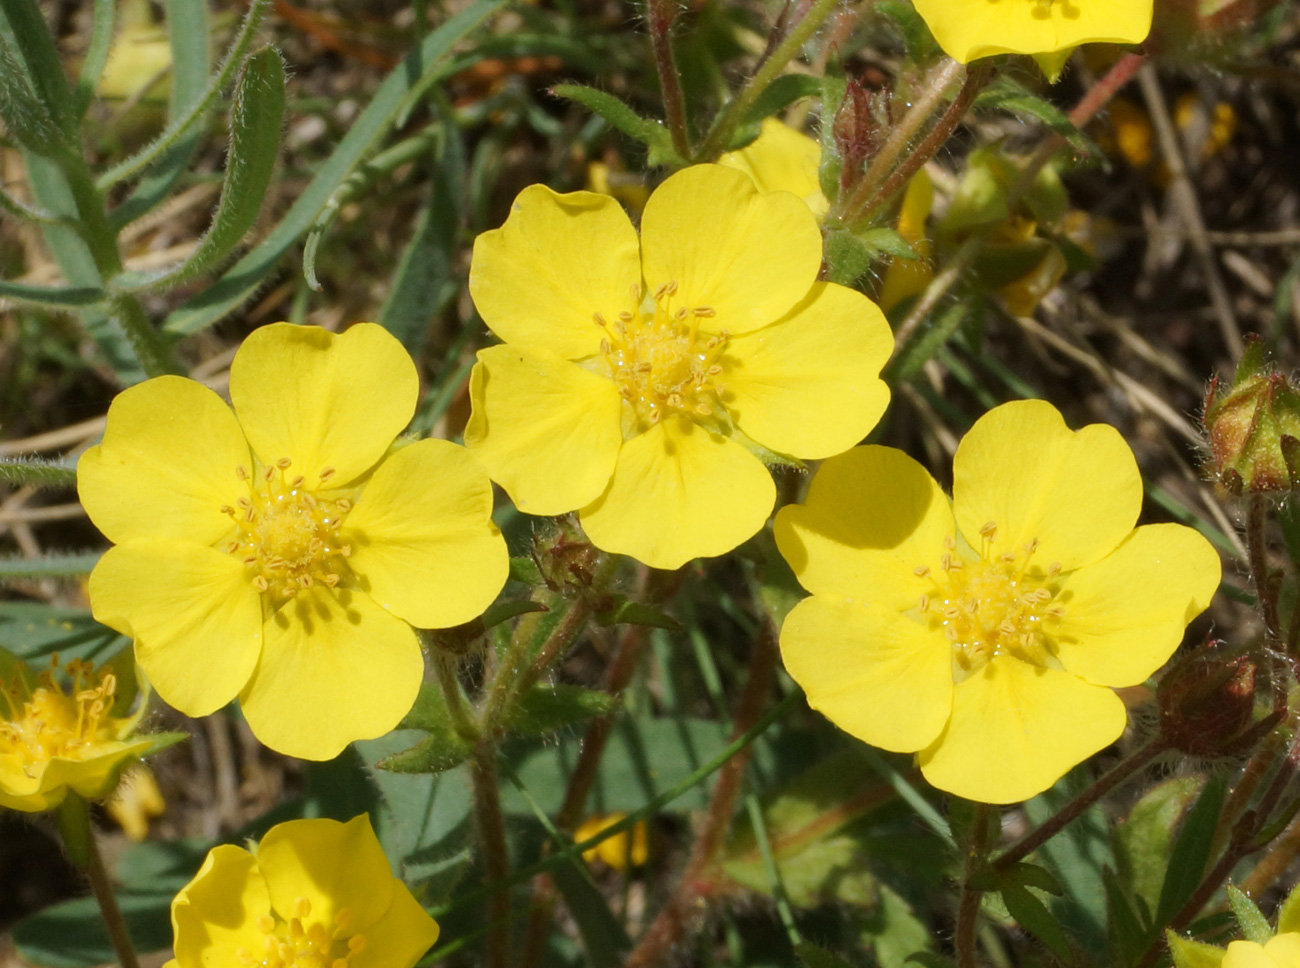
(255, 123)
(546, 708)
(1032, 915)
(441, 749)
(624, 612)
(1191, 852)
(834, 89)
(51, 566)
(26, 118)
(1128, 935)
(895, 932)
(101, 41)
(925, 342)
(1193, 954)
(652, 134)
(780, 94)
(56, 297)
(32, 630)
(72, 934)
(814, 956)
(929, 959)
(524, 569)
(1253, 923)
(917, 38)
(603, 937)
(1018, 100)
(36, 472)
(1031, 875)
(41, 68)
(248, 274)
(889, 242)
(1145, 840)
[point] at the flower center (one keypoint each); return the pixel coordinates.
(288, 532)
(991, 606)
(661, 361)
(303, 943)
(51, 722)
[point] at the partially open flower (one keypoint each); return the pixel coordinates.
(1254, 427)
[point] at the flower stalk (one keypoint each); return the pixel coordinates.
(83, 851)
(968, 906)
(663, 14)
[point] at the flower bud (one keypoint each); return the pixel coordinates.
(1254, 427)
(1207, 703)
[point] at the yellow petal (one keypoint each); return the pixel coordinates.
(1249, 954)
(749, 256)
(216, 913)
(423, 542)
(1016, 729)
(323, 400)
(872, 517)
(335, 866)
(807, 386)
(335, 668)
(1284, 949)
(874, 673)
(547, 430)
(166, 465)
(1125, 615)
(970, 29)
(401, 937)
(95, 771)
(782, 159)
(558, 260)
(680, 492)
(1021, 468)
(195, 617)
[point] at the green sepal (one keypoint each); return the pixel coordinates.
(547, 708)
(524, 569)
(160, 741)
(1288, 915)
(1193, 954)
(1052, 64)
(834, 89)
(1253, 923)
(624, 612)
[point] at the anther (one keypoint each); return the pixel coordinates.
(346, 551)
(923, 603)
(301, 907)
(598, 319)
(921, 571)
(343, 504)
(708, 312)
(1007, 628)
(1054, 570)
(625, 317)
(357, 943)
(298, 481)
(244, 503)
(260, 583)
(604, 346)
(251, 560)
(989, 530)
(266, 924)
(950, 542)
(241, 472)
(342, 919)
(227, 509)
(1031, 546)
(269, 473)
(283, 463)
(326, 474)
(681, 314)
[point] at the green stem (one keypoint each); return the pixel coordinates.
(79, 839)
(496, 854)
(1257, 551)
(462, 717)
(663, 13)
(968, 907)
(734, 113)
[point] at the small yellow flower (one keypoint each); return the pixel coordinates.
(135, 802)
(970, 29)
(314, 894)
(782, 159)
(55, 739)
(639, 379)
(283, 552)
(987, 634)
(622, 851)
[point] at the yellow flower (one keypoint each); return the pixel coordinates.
(987, 634)
(971, 29)
(53, 739)
(278, 553)
(638, 380)
(1280, 951)
(910, 277)
(631, 848)
(135, 802)
(315, 893)
(782, 159)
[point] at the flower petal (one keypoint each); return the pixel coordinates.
(1125, 615)
(401, 937)
(335, 668)
(216, 914)
(547, 430)
(323, 400)
(782, 159)
(807, 386)
(333, 865)
(1016, 729)
(970, 29)
(874, 673)
(558, 260)
(166, 465)
(749, 256)
(95, 772)
(872, 517)
(195, 617)
(1020, 467)
(423, 542)
(680, 492)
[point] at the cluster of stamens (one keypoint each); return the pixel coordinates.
(661, 361)
(993, 605)
(288, 533)
(301, 943)
(52, 722)
(1043, 9)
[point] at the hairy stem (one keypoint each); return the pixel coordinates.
(968, 907)
(79, 838)
(663, 14)
(496, 855)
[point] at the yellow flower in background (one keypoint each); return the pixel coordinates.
(987, 634)
(639, 379)
(315, 894)
(910, 277)
(135, 802)
(970, 29)
(282, 552)
(55, 738)
(782, 159)
(622, 851)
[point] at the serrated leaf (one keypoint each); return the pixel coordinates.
(650, 133)
(1032, 915)
(1191, 852)
(814, 956)
(1193, 954)
(624, 612)
(1253, 923)
(546, 708)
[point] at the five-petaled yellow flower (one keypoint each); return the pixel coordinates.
(970, 29)
(279, 552)
(55, 738)
(782, 159)
(638, 381)
(315, 894)
(987, 634)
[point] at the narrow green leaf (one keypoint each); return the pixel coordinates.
(54, 566)
(243, 279)
(925, 342)
(36, 472)
(603, 938)
(1191, 851)
(40, 59)
(1028, 106)
(930, 959)
(624, 612)
(546, 708)
(1032, 915)
(30, 212)
(101, 41)
(889, 242)
(814, 956)
(27, 119)
(916, 35)
(781, 93)
(834, 89)
(652, 134)
(256, 119)
(53, 296)
(1031, 875)
(1253, 923)
(1128, 935)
